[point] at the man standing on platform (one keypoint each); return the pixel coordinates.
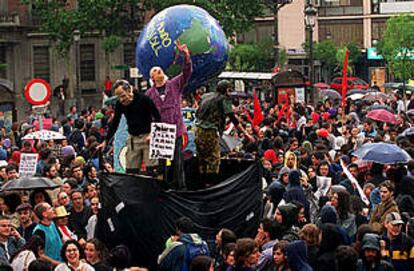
(139, 111)
(211, 120)
(166, 95)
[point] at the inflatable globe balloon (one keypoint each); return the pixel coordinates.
(192, 26)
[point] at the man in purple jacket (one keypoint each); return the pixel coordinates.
(166, 95)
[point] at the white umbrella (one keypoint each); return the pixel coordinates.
(356, 96)
(44, 135)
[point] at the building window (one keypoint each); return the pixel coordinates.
(87, 62)
(129, 54)
(342, 32)
(378, 28)
(3, 61)
(41, 65)
(129, 57)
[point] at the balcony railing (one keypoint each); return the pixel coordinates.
(339, 11)
(9, 19)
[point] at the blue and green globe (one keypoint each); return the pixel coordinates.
(192, 26)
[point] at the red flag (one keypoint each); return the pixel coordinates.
(345, 78)
(282, 111)
(258, 114)
(249, 118)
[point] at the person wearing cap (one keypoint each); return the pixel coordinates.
(166, 95)
(211, 121)
(371, 259)
(387, 205)
(24, 214)
(398, 247)
(61, 221)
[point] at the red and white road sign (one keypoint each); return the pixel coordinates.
(37, 91)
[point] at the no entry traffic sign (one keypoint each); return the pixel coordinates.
(37, 91)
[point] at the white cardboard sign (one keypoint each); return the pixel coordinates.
(162, 143)
(28, 162)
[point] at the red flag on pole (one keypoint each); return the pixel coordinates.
(258, 114)
(345, 78)
(249, 118)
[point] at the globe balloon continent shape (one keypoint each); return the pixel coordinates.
(192, 26)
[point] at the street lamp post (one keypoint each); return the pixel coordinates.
(275, 6)
(310, 21)
(78, 93)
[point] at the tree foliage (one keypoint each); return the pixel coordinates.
(397, 46)
(234, 16)
(325, 52)
(112, 19)
(251, 56)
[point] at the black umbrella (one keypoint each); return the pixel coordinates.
(380, 106)
(330, 93)
(29, 183)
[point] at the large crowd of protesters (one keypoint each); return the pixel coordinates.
(304, 226)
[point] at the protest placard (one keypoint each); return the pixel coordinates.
(162, 141)
(323, 184)
(28, 162)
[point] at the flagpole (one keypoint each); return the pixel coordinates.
(344, 85)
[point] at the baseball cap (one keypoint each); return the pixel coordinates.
(394, 218)
(24, 206)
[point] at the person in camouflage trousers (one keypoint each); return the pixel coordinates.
(211, 120)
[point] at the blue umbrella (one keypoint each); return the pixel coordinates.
(382, 153)
(408, 132)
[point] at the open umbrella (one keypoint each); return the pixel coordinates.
(408, 132)
(392, 85)
(321, 85)
(382, 153)
(376, 96)
(356, 91)
(29, 183)
(356, 96)
(322, 132)
(44, 135)
(330, 93)
(380, 106)
(382, 115)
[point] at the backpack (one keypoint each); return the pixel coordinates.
(405, 204)
(192, 249)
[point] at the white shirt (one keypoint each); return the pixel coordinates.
(82, 267)
(22, 260)
(90, 227)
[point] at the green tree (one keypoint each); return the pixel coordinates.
(251, 57)
(325, 52)
(397, 46)
(354, 53)
(111, 19)
(234, 16)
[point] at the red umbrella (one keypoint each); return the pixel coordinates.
(322, 132)
(321, 85)
(382, 115)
